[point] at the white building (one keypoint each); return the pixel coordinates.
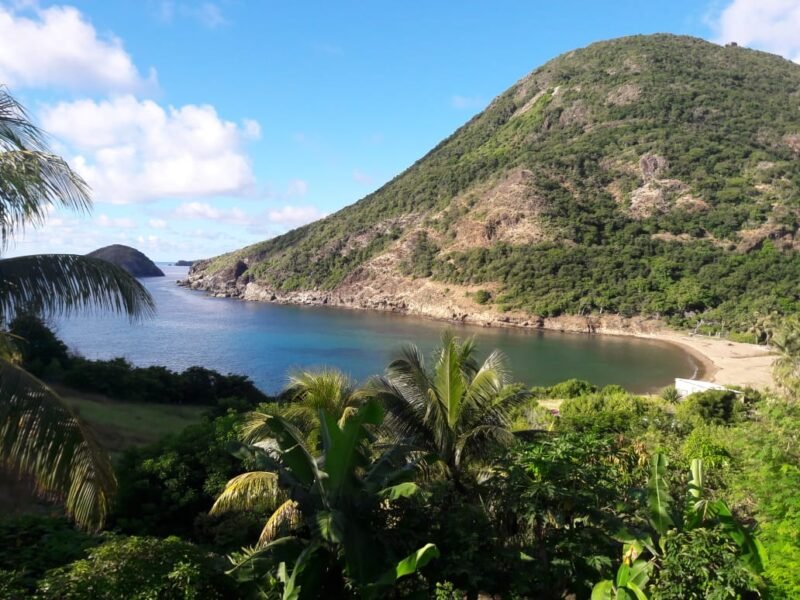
(692, 386)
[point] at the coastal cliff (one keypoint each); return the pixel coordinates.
(426, 298)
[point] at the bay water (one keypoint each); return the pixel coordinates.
(268, 341)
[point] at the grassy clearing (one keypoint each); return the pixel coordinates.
(120, 425)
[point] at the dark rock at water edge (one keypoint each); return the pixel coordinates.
(184, 263)
(130, 259)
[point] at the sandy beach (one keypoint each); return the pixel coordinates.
(725, 362)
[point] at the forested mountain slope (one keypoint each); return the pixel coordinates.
(644, 176)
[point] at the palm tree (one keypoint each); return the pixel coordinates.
(323, 536)
(458, 410)
(40, 437)
(308, 393)
(311, 391)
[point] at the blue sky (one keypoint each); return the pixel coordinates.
(205, 126)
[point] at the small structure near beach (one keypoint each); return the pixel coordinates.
(686, 387)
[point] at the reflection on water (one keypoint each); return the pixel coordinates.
(266, 341)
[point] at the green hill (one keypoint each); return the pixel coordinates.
(130, 259)
(644, 176)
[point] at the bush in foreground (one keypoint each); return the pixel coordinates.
(140, 568)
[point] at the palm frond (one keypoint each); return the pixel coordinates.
(42, 438)
(478, 441)
(31, 182)
(16, 129)
(467, 351)
(248, 491)
(449, 382)
(498, 363)
(329, 389)
(302, 416)
(32, 179)
(405, 411)
(408, 369)
(65, 283)
(286, 518)
(311, 391)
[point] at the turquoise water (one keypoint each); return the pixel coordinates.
(266, 341)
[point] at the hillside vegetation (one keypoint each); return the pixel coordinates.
(650, 175)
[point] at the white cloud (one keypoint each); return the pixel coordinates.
(289, 215)
(123, 222)
(360, 177)
(57, 46)
(133, 150)
(252, 129)
(771, 25)
(203, 210)
(208, 14)
(294, 216)
(158, 223)
(465, 102)
(297, 187)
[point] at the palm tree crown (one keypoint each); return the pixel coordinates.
(308, 393)
(458, 410)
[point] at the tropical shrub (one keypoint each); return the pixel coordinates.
(30, 545)
(713, 407)
(601, 412)
(669, 520)
(42, 352)
(482, 296)
(167, 488)
(462, 530)
(558, 498)
(670, 394)
(703, 442)
(140, 568)
(571, 388)
(118, 379)
(701, 564)
(767, 452)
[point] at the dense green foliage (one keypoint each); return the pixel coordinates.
(714, 407)
(139, 569)
(32, 545)
(619, 493)
(323, 539)
(661, 172)
(117, 378)
(169, 487)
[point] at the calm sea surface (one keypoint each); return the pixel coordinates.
(266, 341)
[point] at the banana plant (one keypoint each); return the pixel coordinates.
(322, 536)
(666, 516)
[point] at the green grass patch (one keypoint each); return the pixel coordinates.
(121, 425)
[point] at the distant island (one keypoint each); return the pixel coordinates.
(130, 259)
(184, 263)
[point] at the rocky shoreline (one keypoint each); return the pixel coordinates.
(454, 312)
(718, 360)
